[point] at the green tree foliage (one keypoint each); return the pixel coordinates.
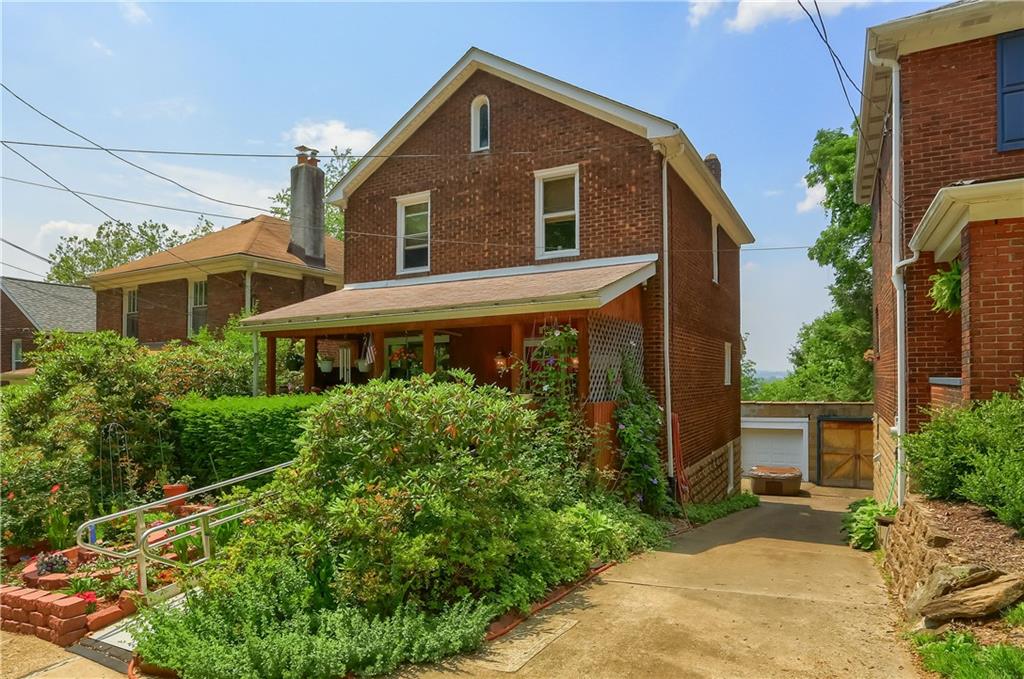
(750, 383)
(334, 169)
(828, 359)
(77, 257)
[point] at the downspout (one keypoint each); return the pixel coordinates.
(665, 328)
(898, 265)
(255, 336)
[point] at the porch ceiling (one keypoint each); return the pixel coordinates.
(549, 291)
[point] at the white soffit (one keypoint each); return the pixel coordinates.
(954, 207)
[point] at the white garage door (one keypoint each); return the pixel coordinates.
(774, 446)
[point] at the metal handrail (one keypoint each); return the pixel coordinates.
(140, 551)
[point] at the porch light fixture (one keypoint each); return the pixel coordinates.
(501, 363)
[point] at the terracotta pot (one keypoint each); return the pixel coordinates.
(175, 489)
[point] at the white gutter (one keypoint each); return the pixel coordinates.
(665, 327)
(898, 265)
(255, 336)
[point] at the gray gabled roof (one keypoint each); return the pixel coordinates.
(53, 306)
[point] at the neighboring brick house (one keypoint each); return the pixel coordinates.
(256, 263)
(28, 307)
(958, 194)
(506, 200)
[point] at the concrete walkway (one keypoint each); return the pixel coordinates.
(768, 592)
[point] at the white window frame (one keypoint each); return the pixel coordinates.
(17, 353)
(539, 177)
(714, 250)
(192, 299)
(474, 124)
(402, 203)
(128, 293)
(727, 379)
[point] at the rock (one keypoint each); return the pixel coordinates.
(976, 602)
(937, 538)
(946, 579)
(927, 628)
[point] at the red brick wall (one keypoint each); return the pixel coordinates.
(704, 316)
(944, 396)
(949, 134)
(163, 311)
(992, 309)
(225, 297)
(13, 325)
(108, 309)
(274, 292)
(884, 296)
(489, 196)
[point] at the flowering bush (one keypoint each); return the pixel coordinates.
(642, 480)
(54, 562)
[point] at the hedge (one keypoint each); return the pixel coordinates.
(229, 436)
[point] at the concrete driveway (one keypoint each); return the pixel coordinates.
(768, 592)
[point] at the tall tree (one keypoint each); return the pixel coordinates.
(115, 243)
(828, 359)
(334, 169)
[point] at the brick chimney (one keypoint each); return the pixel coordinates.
(307, 210)
(715, 166)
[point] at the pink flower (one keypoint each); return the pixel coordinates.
(10, 495)
(55, 488)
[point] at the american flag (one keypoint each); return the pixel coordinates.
(369, 354)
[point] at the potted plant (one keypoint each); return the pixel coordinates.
(325, 363)
(175, 488)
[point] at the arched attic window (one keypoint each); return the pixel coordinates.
(480, 125)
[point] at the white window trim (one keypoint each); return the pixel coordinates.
(714, 250)
(402, 202)
(728, 364)
(17, 353)
(538, 178)
(474, 124)
(124, 308)
(192, 299)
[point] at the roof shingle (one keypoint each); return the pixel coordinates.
(52, 306)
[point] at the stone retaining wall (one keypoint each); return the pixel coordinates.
(913, 549)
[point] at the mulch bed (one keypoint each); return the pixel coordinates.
(978, 537)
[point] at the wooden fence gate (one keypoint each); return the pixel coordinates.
(845, 453)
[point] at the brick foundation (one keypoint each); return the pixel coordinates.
(709, 477)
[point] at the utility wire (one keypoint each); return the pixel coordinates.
(23, 270)
(26, 251)
(201, 213)
(124, 160)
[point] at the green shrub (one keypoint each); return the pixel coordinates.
(415, 512)
(859, 522)
(974, 453)
(945, 290)
(1014, 615)
(701, 513)
(640, 419)
(960, 656)
(225, 437)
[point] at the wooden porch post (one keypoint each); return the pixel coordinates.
(583, 354)
(378, 348)
(271, 366)
(428, 350)
(515, 356)
(309, 365)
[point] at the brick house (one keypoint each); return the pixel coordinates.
(506, 200)
(259, 263)
(28, 307)
(950, 187)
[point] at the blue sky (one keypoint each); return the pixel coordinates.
(749, 81)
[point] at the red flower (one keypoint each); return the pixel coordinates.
(89, 597)
(10, 495)
(55, 488)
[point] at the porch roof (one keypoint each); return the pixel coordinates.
(499, 295)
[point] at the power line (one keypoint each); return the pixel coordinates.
(339, 156)
(26, 251)
(18, 268)
(65, 186)
(123, 160)
(201, 213)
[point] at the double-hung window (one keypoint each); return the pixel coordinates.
(1010, 70)
(196, 307)
(17, 355)
(557, 212)
(414, 233)
(727, 377)
(714, 251)
(131, 313)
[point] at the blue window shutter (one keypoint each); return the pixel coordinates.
(1010, 70)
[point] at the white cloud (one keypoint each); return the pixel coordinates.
(134, 14)
(771, 193)
(100, 47)
(752, 13)
(221, 185)
(813, 196)
(330, 133)
(700, 9)
(62, 227)
(174, 108)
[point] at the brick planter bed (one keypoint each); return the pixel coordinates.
(52, 581)
(56, 617)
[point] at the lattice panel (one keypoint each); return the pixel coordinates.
(610, 339)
